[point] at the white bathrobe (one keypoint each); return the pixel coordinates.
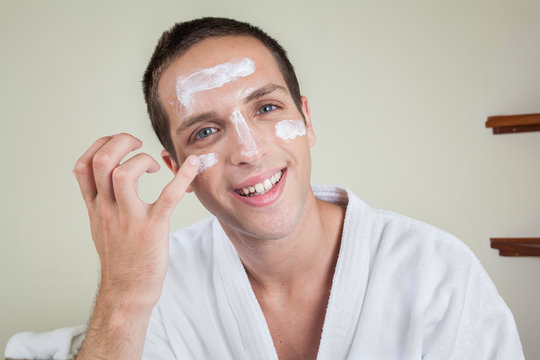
(401, 290)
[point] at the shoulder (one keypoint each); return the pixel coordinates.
(407, 248)
(426, 251)
(389, 236)
(402, 233)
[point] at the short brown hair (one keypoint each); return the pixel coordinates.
(178, 39)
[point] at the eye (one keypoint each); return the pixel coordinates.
(266, 108)
(205, 133)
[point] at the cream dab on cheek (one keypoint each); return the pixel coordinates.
(211, 78)
(207, 161)
(290, 129)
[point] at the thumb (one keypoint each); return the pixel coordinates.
(175, 190)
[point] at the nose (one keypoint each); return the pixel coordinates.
(244, 146)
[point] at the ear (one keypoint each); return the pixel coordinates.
(171, 164)
(309, 126)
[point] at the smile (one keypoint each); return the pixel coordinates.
(262, 187)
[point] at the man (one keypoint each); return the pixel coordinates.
(280, 271)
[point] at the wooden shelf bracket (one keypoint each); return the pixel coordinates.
(508, 124)
(516, 246)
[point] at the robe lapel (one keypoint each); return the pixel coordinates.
(350, 277)
(249, 322)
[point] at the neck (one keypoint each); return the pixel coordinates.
(305, 258)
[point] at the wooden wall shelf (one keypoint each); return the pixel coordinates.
(508, 124)
(516, 246)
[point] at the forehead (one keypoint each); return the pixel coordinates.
(214, 51)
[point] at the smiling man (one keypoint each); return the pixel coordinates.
(281, 269)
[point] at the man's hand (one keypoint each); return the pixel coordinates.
(131, 238)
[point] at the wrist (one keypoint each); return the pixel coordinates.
(128, 295)
(117, 329)
(125, 302)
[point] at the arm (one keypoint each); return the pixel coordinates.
(131, 238)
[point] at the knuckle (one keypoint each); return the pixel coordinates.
(125, 134)
(183, 176)
(187, 174)
(103, 140)
(101, 160)
(80, 168)
(127, 137)
(145, 157)
(170, 198)
(120, 175)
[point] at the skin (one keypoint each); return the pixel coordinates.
(289, 246)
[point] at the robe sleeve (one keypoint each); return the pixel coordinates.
(157, 345)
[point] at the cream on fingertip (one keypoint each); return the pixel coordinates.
(193, 160)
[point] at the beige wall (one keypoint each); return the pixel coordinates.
(399, 94)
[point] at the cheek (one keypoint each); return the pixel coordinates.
(207, 162)
(290, 129)
(207, 178)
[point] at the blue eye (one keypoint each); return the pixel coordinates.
(266, 108)
(205, 132)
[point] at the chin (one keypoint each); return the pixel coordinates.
(269, 228)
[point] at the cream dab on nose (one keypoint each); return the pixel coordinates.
(244, 134)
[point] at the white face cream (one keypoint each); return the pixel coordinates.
(211, 78)
(244, 134)
(290, 129)
(207, 161)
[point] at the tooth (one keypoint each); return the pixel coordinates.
(273, 179)
(278, 175)
(245, 191)
(267, 185)
(259, 187)
(251, 189)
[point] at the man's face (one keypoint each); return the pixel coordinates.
(227, 102)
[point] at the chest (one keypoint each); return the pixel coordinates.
(296, 326)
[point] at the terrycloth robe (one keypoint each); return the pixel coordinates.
(401, 290)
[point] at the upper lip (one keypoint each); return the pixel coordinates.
(259, 178)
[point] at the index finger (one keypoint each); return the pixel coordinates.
(175, 190)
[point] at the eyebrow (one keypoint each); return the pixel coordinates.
(263, 91)
(190, 121)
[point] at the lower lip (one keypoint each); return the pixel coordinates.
(268, 197)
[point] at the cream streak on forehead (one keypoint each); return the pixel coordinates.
(211, 78)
